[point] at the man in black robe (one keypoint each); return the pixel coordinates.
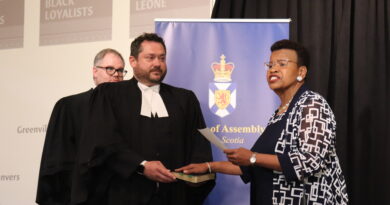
(137, 131)
(64, 130)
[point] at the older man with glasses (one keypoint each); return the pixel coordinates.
(108, 66)
(64, 131)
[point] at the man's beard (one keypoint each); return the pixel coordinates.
(142, 76)
(160, 79)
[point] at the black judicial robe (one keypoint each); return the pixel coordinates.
(60, 148)
(118, 139)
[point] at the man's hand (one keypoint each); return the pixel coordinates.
(156, 171)
(238, 156)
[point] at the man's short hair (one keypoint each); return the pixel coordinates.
(136, 48)
(302, 53)
(99, 56)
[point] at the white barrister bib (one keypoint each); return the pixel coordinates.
(152, 102)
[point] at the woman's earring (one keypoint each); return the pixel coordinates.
(299, 78)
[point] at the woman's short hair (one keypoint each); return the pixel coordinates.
(302, 53)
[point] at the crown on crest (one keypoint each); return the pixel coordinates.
(222, 70)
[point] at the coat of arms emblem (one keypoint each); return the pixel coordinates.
(222, 92)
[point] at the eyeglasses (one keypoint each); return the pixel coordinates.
(281, 63)
(111, 71)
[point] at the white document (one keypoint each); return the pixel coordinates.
(212, 138)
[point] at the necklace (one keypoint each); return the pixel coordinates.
(284, 107)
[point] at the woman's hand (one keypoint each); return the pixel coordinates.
(239, 156)
(200, 168)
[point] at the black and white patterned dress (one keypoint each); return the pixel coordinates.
(304, 139)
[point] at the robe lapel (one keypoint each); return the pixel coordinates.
(134, 98)
(168, 100)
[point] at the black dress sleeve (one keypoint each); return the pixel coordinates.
(246, 175)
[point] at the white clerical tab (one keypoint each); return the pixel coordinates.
(152, 102)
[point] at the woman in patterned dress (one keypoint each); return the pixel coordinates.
(294, 161)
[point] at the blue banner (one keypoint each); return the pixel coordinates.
(223, 63)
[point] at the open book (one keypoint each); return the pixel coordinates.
(194, 178)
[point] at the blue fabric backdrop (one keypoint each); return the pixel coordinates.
(234, 96)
